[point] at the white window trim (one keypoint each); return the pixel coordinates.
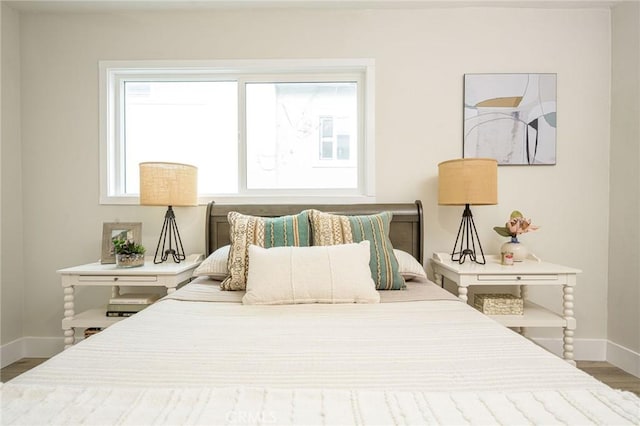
(109, 72)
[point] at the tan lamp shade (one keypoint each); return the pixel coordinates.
(168, 184)
(468, 181)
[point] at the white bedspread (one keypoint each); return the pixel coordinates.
(414, 362)
(235, 406)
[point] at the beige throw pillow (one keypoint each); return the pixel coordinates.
(322, 274)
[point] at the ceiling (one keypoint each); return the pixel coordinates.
(113, 5)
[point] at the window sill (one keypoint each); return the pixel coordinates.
(257, 199)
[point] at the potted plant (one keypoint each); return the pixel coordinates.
(516, 225)
(128, 253)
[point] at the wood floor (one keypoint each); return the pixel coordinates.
(19, 367)
(611, 375)
(603, 371)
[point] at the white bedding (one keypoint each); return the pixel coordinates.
(200, 357)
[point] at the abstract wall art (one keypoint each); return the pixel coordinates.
(510, 117)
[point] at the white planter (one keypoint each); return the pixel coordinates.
(129, 260)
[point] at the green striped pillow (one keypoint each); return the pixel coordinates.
(330, 229)
(265, 232)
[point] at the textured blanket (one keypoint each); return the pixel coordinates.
(412, 362)
(33, 405)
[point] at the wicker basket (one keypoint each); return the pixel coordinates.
(499, 304)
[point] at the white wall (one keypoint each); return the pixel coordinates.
(624, 252)
(421, 56)
(11, 267)
(1, 204)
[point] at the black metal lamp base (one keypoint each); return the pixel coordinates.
(170, 232)
(468, 237)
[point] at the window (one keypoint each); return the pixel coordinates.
(289, 129)
(335, 146)
(326, 138)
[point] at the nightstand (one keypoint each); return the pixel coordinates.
(530, 272)
(169, 275)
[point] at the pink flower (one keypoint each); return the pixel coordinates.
(516, 225)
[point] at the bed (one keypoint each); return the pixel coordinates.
(420, 356)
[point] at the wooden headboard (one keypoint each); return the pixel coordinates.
(405, 233)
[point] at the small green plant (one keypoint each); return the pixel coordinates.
(128, 247)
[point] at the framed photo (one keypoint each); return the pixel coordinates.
(111, 230)
(510, 117)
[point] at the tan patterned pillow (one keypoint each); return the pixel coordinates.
(293, 230)
(330, 229)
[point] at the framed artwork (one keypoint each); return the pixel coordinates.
(111, 230)
(510, 117)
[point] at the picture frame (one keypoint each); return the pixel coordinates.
(110, 230)
(511, 117)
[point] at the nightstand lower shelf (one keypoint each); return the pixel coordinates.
(534, 316)
(90, 318)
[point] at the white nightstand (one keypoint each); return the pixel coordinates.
(168, 274)
(521, 274)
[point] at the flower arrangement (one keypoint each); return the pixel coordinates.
(516, 225)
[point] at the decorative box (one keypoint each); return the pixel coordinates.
(499, 304)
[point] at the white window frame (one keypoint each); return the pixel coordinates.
(114, 73)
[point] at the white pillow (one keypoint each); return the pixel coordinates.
(408, 266)
(318, 274)
(214, 266)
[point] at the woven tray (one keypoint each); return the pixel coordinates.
(499, 304)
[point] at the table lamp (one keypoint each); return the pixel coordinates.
(464, 182)
(168, 184)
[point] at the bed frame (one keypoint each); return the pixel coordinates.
(405, 233)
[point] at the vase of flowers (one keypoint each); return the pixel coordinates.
(516, 225)
(128, 253)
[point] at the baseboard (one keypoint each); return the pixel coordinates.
(11, 352)
(623, 358)
(596, 350)
(583, 349)
(30, 347)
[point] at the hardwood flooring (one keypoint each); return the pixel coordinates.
(603, 371)
(19, 367)
(611, 375)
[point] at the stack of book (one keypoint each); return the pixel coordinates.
(125, 305)
(88, 332)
